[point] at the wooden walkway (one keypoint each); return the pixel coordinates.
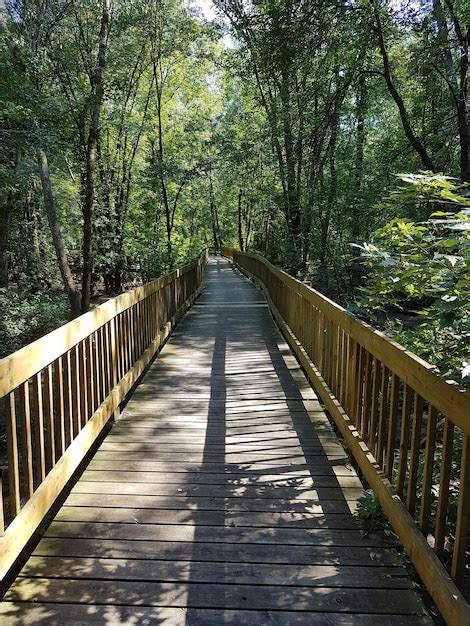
(221, 496)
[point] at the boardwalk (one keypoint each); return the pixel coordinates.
(221, 496)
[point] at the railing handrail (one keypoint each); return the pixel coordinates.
(21, 365)
(61, 391)
(446, 396)
(386, 402)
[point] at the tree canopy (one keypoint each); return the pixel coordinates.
(135, 133)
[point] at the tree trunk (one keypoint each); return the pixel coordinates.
(293, 200)
(458, 87)
(413, 139)
(89, 196)
(239, 217)
(69, 283)
(4, 239)
(359, 159)
(214, 219)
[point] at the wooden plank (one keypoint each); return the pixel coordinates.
(442, 588)
(206, 518)
(294, 479)
(28, 614)
(318, 467)
(229, 596)
(200, 572)
(212, 552)
(214, 534)
(201, 503)
(219, 491)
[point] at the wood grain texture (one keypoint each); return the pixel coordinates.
(220, 496)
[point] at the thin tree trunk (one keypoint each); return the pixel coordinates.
(69, 283)
(239, 219)
(4, 240)
(413, 139)
(458, 88)
(359, 159)
(214, 219)
(293, 210)
(89, 196)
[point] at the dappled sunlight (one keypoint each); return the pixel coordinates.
(220, 493)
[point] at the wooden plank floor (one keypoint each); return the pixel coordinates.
(221, 496)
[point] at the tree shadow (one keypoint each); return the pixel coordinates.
(215, 499)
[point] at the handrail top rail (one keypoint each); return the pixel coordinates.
(18, 367)
(447, 397)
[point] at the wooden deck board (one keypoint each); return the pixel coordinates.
(220, 496)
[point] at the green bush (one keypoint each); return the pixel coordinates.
(423, 268)
(25, 317)
(369, 513)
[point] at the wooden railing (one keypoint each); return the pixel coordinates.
(60, 391)
(407, 428)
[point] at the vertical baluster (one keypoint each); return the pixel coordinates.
(104, 360)
(392, 426)
(463, 515)
(90, 375)
(343, 369)
(130, 337)
(38, 429)
(414, 454)
(49, 417)
(121, 345)
(404, 440)
(116, 329)
(328, 361)
(124, 343)
(424, 517)
(2, 507)
(383, 408)
(365, 416)
(138, 330)
(60, 408)
(374, 408)
(75, 381)
(12, 455)
(113, 350)
(26, 440)
(359, 386)
(338, 349)
(444, 480)
(99, 394)
(350, 382)
(83, 383)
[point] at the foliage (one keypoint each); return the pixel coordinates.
(423, 269)
(26, 317)
(281, 139)
(369, 513)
